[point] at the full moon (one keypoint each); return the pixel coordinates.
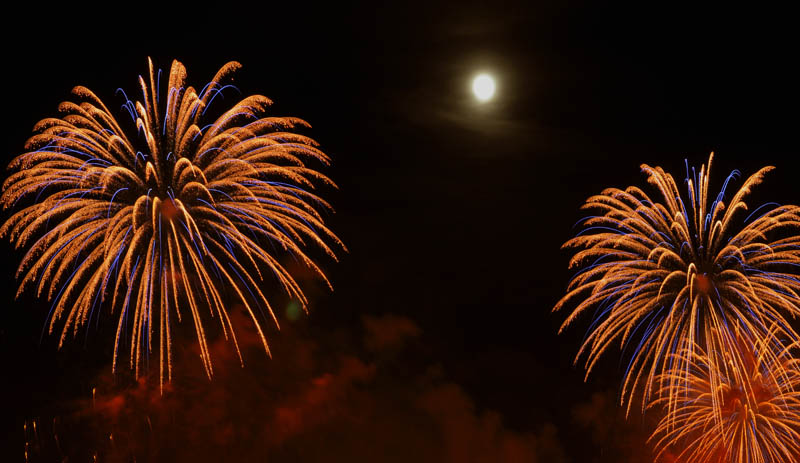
(483, 87)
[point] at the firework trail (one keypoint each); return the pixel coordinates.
(165, 213)
(731, 416)
(664, 275)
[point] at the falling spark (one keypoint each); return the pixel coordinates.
(165, 214)
(665, 275)
(733, 416)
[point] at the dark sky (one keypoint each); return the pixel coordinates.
(438, 338)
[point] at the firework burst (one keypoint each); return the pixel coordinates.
(737, 416)
(169, 215)
(666, 275)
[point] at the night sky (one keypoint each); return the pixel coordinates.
(438, 342)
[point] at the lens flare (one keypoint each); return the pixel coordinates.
(166, 212)
(664, 275)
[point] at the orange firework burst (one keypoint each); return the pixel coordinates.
(167, 214)
(666, 275)
(750, 415)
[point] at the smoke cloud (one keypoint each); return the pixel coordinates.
(325, 397)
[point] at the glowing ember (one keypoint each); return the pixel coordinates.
(703, 283)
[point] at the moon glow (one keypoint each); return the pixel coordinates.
(483, 87)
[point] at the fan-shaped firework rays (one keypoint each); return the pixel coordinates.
(169, 215)
(665, 275)
(733, 416)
